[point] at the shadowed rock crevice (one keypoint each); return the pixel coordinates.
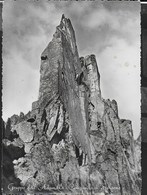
(73, 140)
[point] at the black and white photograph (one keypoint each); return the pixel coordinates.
(71, 97)
(144, 96)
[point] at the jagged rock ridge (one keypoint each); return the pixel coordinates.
(73, 139)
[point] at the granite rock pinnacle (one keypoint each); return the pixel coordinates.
(73, 139)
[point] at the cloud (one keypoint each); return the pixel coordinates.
(111, 30)
(20, 86)
(26, 28)
(120, 78)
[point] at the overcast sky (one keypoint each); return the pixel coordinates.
(110, 30)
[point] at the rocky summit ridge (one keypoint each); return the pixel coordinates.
(72, 141)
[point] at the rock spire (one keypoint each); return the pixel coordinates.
(73, 139)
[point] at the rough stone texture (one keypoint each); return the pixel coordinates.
(11, 151)
(3, 129)
(74, 140)
(24, 130)
(13, 120)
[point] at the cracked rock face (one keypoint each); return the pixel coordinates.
(73, 139)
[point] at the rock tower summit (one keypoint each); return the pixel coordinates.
(55, 59)
(60, 61)
(73, 138)
(72, 79)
